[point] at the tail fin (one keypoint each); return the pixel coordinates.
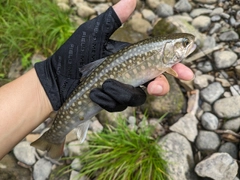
(54, 151)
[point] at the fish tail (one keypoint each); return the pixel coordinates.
(54, 151)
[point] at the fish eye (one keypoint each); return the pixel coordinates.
(185, 42)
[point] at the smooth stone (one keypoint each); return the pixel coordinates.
(183, 6)
(229, 36)
(216, 11)
(76, 164)
(215, 18)
(140, 25)
(229, 148)
(25, 153)
(206, 107)
(201, 23)
(224, 59)
(42, 169)
(219, 166)
(148, 15)
(101, 8)
(216, 27)
(212, 92)
(179, 155)
(76, 148)
(205, 66)
(232, 124)
(200, 11)
(209, 121)
(84, 10)
(227, 107)
(206, 1)
(75, 176)
(186, 126)
(164, 10)
(207, 141)
(203, 81)
(132, 120)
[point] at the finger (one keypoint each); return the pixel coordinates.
(124, 9)
(158, 86)
(183, 72)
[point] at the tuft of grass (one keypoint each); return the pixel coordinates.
(119, 153)
(31, 26)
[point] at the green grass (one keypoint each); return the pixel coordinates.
(28, 27)
(121, 154)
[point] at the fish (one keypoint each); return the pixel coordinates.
(135, 64)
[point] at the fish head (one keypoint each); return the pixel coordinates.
(178, 46)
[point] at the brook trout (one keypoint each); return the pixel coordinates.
(134, 65)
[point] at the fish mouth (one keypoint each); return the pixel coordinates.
(191, 48)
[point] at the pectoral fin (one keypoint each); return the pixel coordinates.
(171, 72)
(82, 130)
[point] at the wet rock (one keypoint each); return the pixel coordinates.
(200, 11)
(229, 36)
(183, 6)
(227, 107)
(233, 124)
(219, 166)
(42, 169)
(224, 59)
(207, 141)
(178, 152)
(209, 121)
(212, 92)
(25, 153)
(229, 148)
(164, 10)
(205, 66)
(201, 23)
(186, 126)
(202, 81)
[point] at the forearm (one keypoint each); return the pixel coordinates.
(24, 105)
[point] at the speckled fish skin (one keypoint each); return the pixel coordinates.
(134, 65)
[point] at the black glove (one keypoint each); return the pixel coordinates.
(115, 96)
(60, 74)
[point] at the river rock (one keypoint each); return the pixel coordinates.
(84, 10)
(205, 66)
(164, 10)
(224, 59)
(209, 121)
(227, 107)
(179, 155)
(200, 11)
(186, 126)
(207, 141)
(229, 148)
(25, 153)
(140, 25)
(203, 80)
(76, 164)
(183, 6)
(201, 23)
(219, 166)
(233, 124)
(206, 1)
(229, 36)
(42, 169)
(148, 15)
(212, 92)
(96, 126)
